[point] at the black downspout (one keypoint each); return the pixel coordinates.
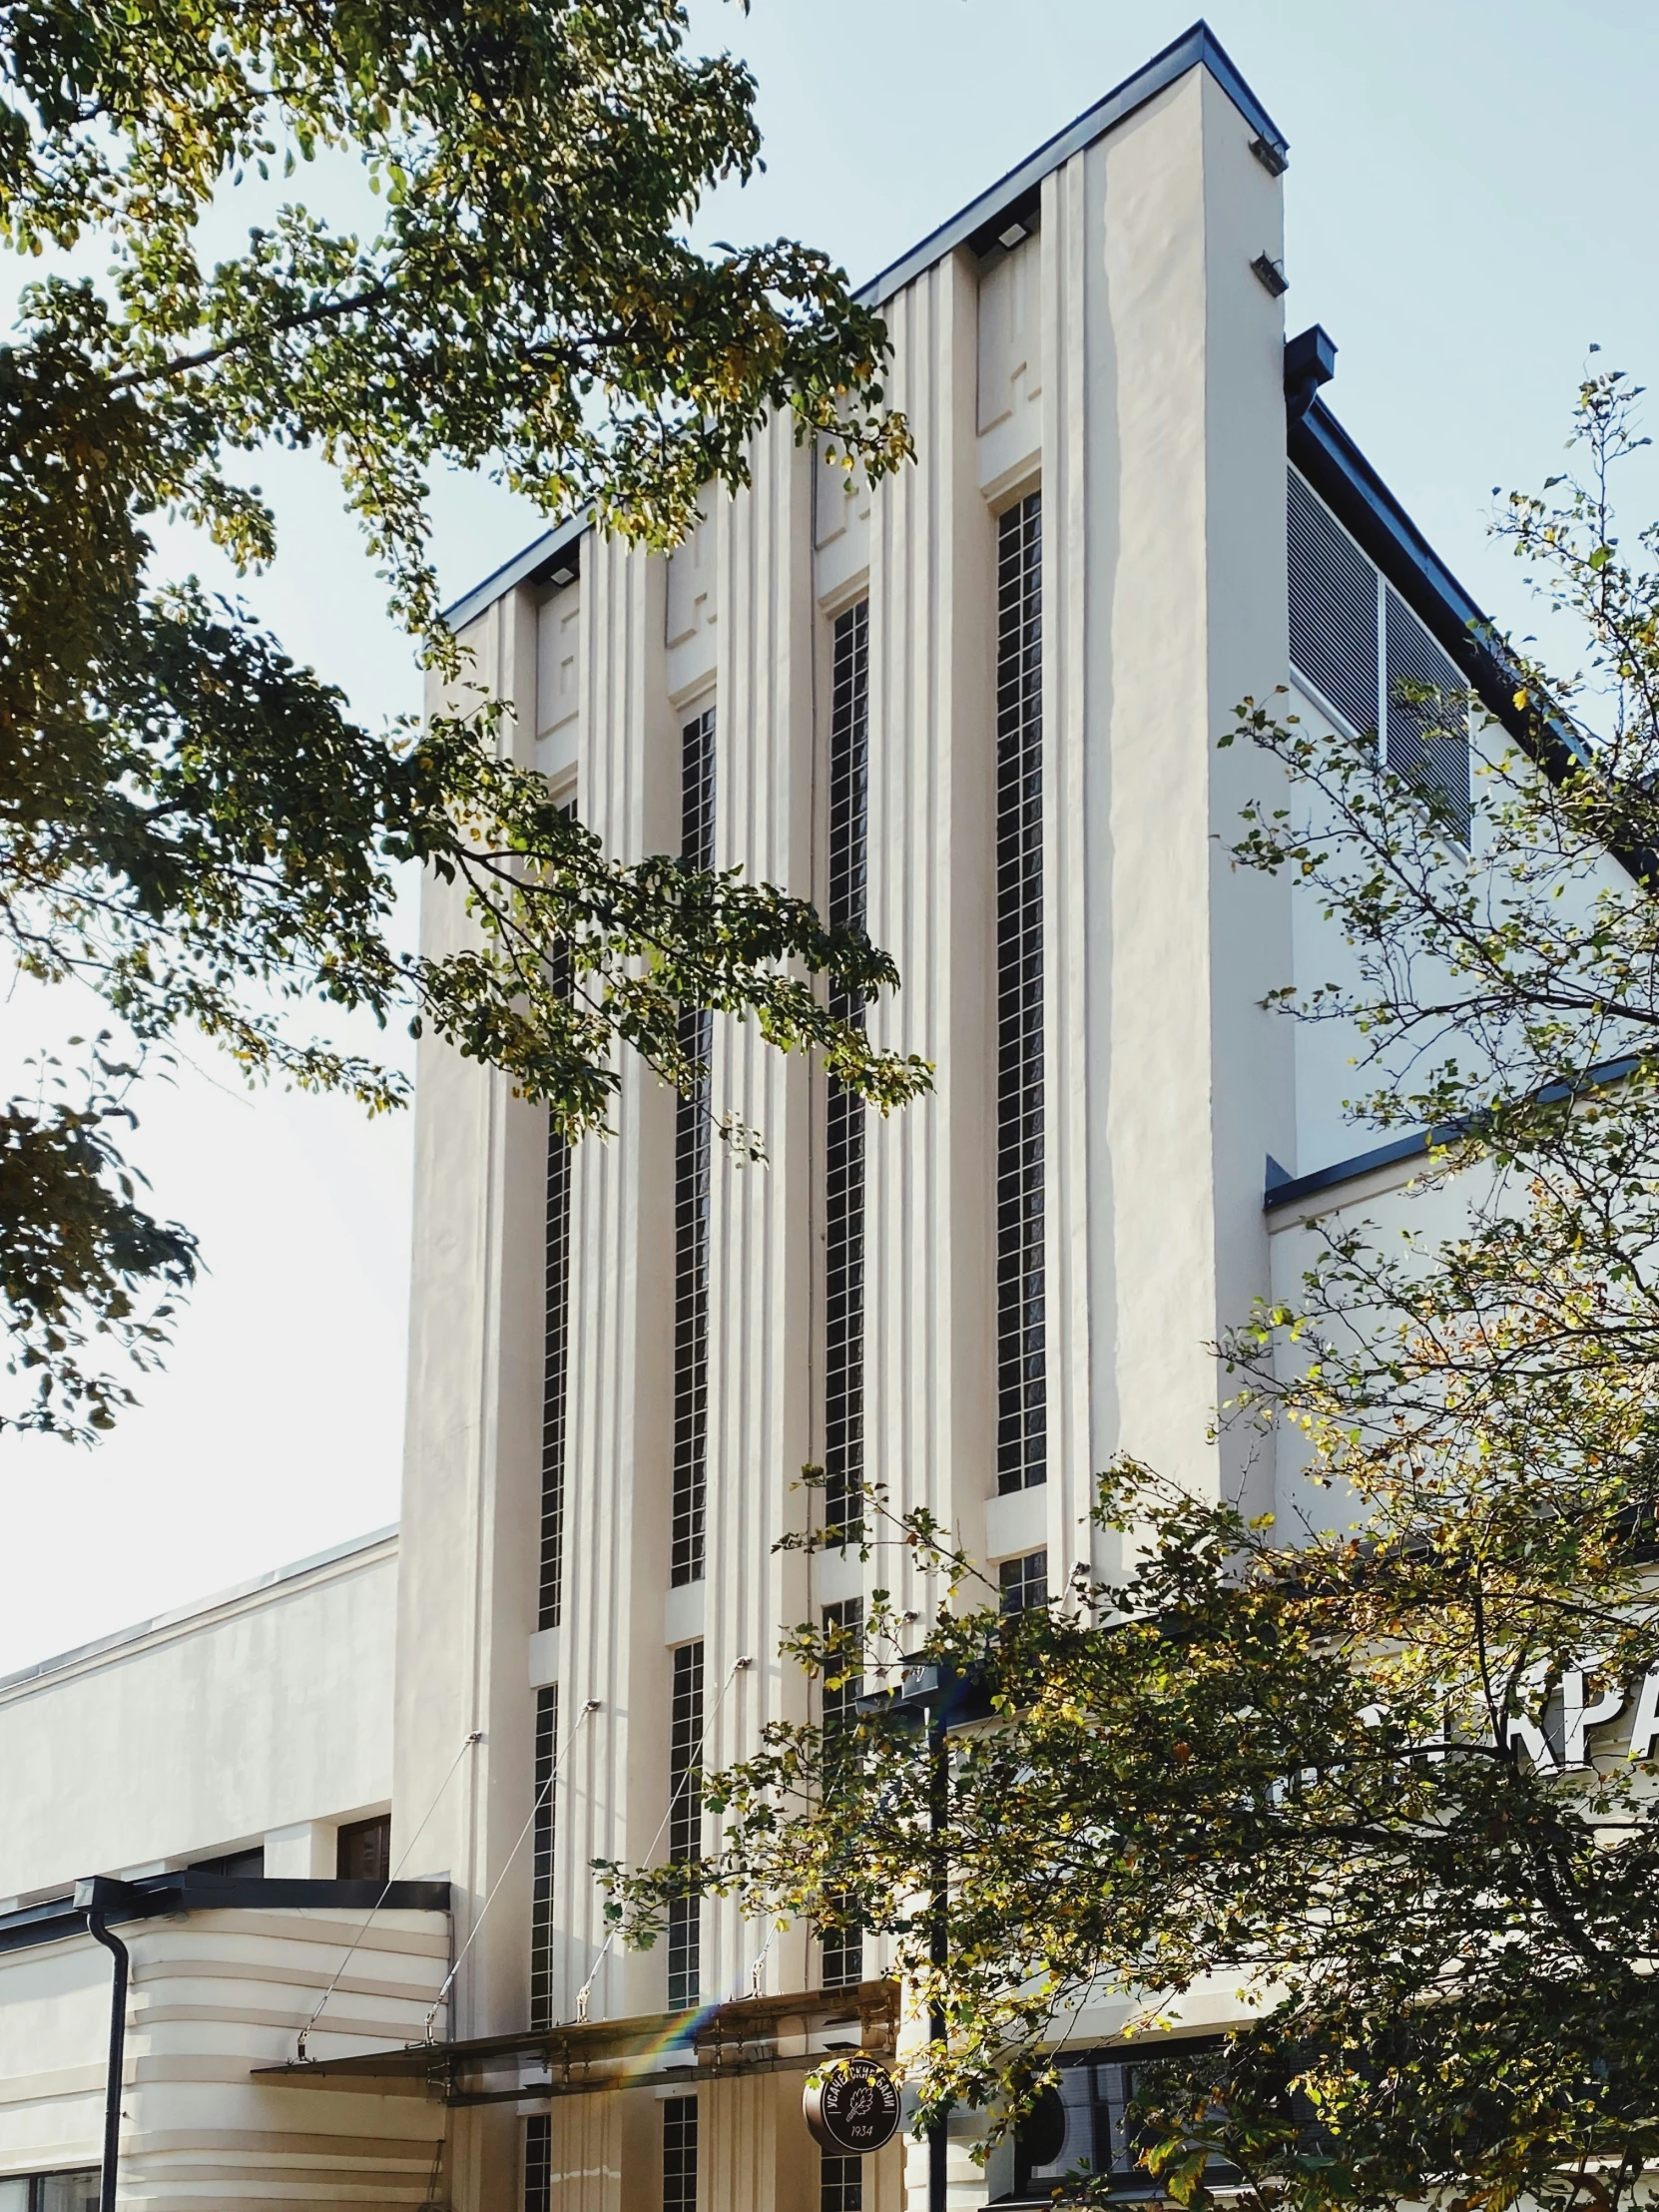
(938, 1941)
(118, 2052)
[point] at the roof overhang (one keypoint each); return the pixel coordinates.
(978, 224)
(749, 2035)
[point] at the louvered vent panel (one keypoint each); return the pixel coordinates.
(1333, 609)
(1428, 731)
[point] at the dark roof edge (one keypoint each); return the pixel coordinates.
(1347, 483)
(524, 568)
(1354, 491)
(161, 1895)
(1420, 1141)
(1194, 48)
(1199, 46)
(1297, 1187)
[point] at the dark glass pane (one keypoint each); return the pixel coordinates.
(362, 1851)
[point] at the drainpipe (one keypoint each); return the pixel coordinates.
(95, 1899)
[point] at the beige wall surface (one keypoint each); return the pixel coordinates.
(1123, 357)
(213, 1996)
(268, 1710)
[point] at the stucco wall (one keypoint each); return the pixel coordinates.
(265, 1711)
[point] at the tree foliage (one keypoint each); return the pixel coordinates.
(1384, 1789)
(192, 822)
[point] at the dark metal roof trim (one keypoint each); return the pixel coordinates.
(535, 565)
(1421, 1141)
(1297, 1187)
(1324, 453)
(1193, 49)
(1011, 197)
(159, 1895)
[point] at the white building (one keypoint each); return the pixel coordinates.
(976, 706)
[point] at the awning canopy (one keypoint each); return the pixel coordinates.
(749, 2035)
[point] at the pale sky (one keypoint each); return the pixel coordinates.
(1469, 207)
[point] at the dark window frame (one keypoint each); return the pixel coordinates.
(845, 1118)
(684, 1823)
(692, 1193)
(349, 1834)
(1021, 1268)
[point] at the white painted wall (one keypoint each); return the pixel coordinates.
(263, 1713)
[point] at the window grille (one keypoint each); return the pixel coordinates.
(691, 1191)
(538, 2163)
(843, 1964)
(555, 1349)
(843, 1261)
(1428, 731)
(362, 1850)
(1021, 1328)
(840, 2184)
(555, 1362)
(679, 2154)
(684, 1823)
(1333, 604)
(1025, 1582)
(542, 1843)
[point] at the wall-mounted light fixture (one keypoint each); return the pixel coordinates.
(1270, 275)
(1011, 237)
(1273, 158)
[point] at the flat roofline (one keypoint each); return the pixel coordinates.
(181, 1614)
(1195, 48)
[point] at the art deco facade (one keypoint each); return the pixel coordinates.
(975, 708)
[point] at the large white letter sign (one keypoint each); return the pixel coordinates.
(1577, 1717)
(1646, 1726)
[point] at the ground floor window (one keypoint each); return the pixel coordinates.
(680, 2154)
(842, 2184)
(538, 2163)
(75, 2191)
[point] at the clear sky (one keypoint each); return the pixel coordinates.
(1470, 205)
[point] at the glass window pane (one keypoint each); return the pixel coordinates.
(73, 2192)
(14, 2193)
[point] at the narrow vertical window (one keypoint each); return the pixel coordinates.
(840, 2184)
(684, 1823)
(844, 1944)
(556, 1355)
(541, 1857)
(538, 2163)
(691, 1191)
(555, 1350)
(843, 1194)
(1021, 1338)
(680, 2154)
(1023, 1583)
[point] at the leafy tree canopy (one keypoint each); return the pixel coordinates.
(1389, 1792)
(190, 821)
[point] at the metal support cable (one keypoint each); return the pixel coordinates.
(543, 1795)
(738, 1666)
(476, 1737)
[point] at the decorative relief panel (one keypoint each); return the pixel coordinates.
(558, 679)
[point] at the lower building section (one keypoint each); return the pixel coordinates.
(212, 1995)
(732, 2146)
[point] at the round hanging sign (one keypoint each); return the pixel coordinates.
(853, 2108)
